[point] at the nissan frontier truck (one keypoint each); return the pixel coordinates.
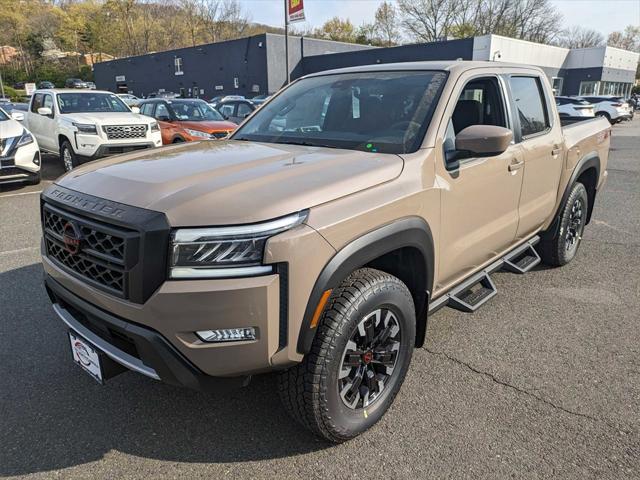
(320, 237)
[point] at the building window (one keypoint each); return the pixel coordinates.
(177, 62)
(557, 85)
(588, 88)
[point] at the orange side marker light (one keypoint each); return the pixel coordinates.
(323, 301)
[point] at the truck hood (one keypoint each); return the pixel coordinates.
(231, 182)
(108, 118)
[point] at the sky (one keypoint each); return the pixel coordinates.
(605, 16)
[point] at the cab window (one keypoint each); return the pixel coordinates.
(480, 103)
(530, 105)
(147, 109)
(37, 102)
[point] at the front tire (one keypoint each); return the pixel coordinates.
(358, 359)
(69, 158)
(561, 248)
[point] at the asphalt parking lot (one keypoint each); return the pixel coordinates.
(543, 382)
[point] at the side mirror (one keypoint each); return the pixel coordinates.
(164, 118)
(484, 140)
(45, 111)
(135, 109)
(17, 116)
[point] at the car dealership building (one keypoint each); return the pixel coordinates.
(256, 65)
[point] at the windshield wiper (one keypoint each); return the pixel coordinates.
(305, 143)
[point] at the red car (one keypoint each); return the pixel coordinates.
(186, 120)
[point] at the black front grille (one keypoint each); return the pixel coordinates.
(104, 275)
(219, 135)
(103, 259)
(122, 250)
(99, 241)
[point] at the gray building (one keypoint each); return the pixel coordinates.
(584, 71)
(256, 65)
(247, 66)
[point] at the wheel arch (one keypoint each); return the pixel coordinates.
(403, 248)
(587, 171)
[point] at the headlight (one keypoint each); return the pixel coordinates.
(25, 139)
(197, 133)
(155, 127)
(226, 251)
(87, 128)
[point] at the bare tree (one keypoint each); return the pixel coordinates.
(628, 40)
(428, 20)
(580, 37)
(386, 24)
(224, 19)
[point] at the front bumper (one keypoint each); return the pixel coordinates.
(138, 348)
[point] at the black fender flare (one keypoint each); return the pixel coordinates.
(590, 160)
(413, 232)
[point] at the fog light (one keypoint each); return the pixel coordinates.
(36, 159)
(227, 335)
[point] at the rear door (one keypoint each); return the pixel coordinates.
(480, 198)
(540, 138)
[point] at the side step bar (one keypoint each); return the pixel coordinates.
(478, 289)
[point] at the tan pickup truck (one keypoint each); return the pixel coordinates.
(320, 237)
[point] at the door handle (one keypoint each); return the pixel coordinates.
(556, 151)
(516, 165)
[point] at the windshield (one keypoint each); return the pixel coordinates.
(386, 112)
(194, 111)
(90, 102)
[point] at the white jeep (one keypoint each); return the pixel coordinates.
(83, 125)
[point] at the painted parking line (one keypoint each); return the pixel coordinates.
(19, 194)
(19, 250)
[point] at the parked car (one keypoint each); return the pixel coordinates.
(19, 153)
(75, 83)
(260, 99)
(186, 120)
(574, 107)
(19, 85)
(83, 125)
(163, 95)
(4, 100)
(129, 99)
(91, 85)
(320, 248)
(235, 110)
(14, 107)
(610, 108)
(45, 85)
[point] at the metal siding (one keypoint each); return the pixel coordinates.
(446, 50)
(204, 66)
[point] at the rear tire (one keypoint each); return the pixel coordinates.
(561, 248)
(69, 158)
(358, 359)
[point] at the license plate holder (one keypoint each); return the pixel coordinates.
(87, 356)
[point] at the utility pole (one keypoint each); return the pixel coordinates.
(286, 41)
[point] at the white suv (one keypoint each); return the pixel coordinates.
(19, 153)
(82, 125)
(611, 108)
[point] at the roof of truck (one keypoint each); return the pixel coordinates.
(450, 65)
(70, 90)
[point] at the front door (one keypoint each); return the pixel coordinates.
(479, 202)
